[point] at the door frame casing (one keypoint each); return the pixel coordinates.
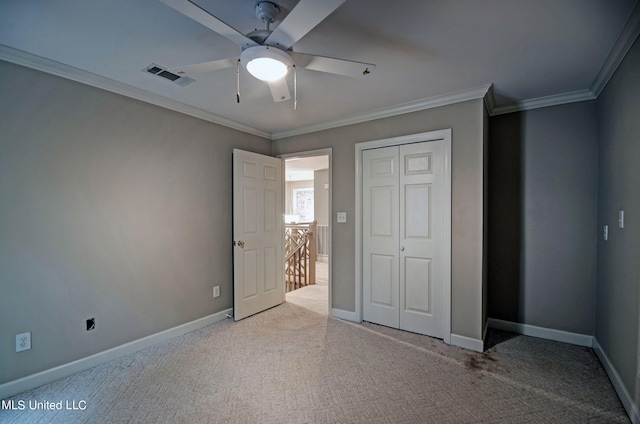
(310, 153)
(440, 135)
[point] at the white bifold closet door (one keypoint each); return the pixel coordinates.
(403, 237)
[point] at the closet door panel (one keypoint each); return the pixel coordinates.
(421, 294)
(380, 236)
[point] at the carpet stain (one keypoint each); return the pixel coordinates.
(472, 363)
(478, 362)
(490, 358)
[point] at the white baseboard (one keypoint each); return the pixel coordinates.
(541, 332)
(467, 342)
(580, 340)
(345, 315)
(35, 380)
(618, 385)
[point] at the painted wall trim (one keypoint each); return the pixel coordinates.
(423, 104)
(35, 380)
(490, 101)
(59, 69)
(623, 44)
(345, 315)
(621, 47)
(555, 100)
(467, 342)
(52, 67)
(542, 333)
(618, 385)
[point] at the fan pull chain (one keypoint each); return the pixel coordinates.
(238, 82)
(295, 88)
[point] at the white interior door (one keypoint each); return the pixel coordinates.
(258, 277)
(422, 256)
(380, 269)
(404, 232)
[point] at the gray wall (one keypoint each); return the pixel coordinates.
(109, 208)
(321, 196)
(466, 121)
(543, 209)
(619, 188)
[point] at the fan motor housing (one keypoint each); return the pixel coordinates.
(267, 11)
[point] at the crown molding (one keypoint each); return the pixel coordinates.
(431, 102)
(623, 44)
(490, 101)
(621, 47)
(555, 100)
(52, 67)
(59, 69)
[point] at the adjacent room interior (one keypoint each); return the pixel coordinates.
(307, 229)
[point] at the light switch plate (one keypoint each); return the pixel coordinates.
(621, 219)
(342, 217)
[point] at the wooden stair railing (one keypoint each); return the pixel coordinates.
(300, 255)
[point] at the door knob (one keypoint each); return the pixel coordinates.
(402, 249)
(241, 244)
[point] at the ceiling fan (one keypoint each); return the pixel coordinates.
(267, 54)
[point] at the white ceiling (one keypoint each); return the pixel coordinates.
(307, 164)
(532, 52)
(302, 168)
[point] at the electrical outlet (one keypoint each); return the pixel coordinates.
(216, 291)
(23, 342)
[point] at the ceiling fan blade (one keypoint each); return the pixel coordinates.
(331, 65)
(200, 15)
(302, 19)
(280, 90)
(200, 68)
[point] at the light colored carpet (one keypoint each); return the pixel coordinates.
(293, 365)
(313, 297)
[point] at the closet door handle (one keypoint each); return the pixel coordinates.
(402, 249)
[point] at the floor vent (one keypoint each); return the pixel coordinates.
(164, 73)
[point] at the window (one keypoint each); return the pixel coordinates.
(303, 203)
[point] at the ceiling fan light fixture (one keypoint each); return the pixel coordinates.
(266, 63)
(267, 69)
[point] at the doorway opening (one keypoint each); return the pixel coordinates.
(307, 230)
